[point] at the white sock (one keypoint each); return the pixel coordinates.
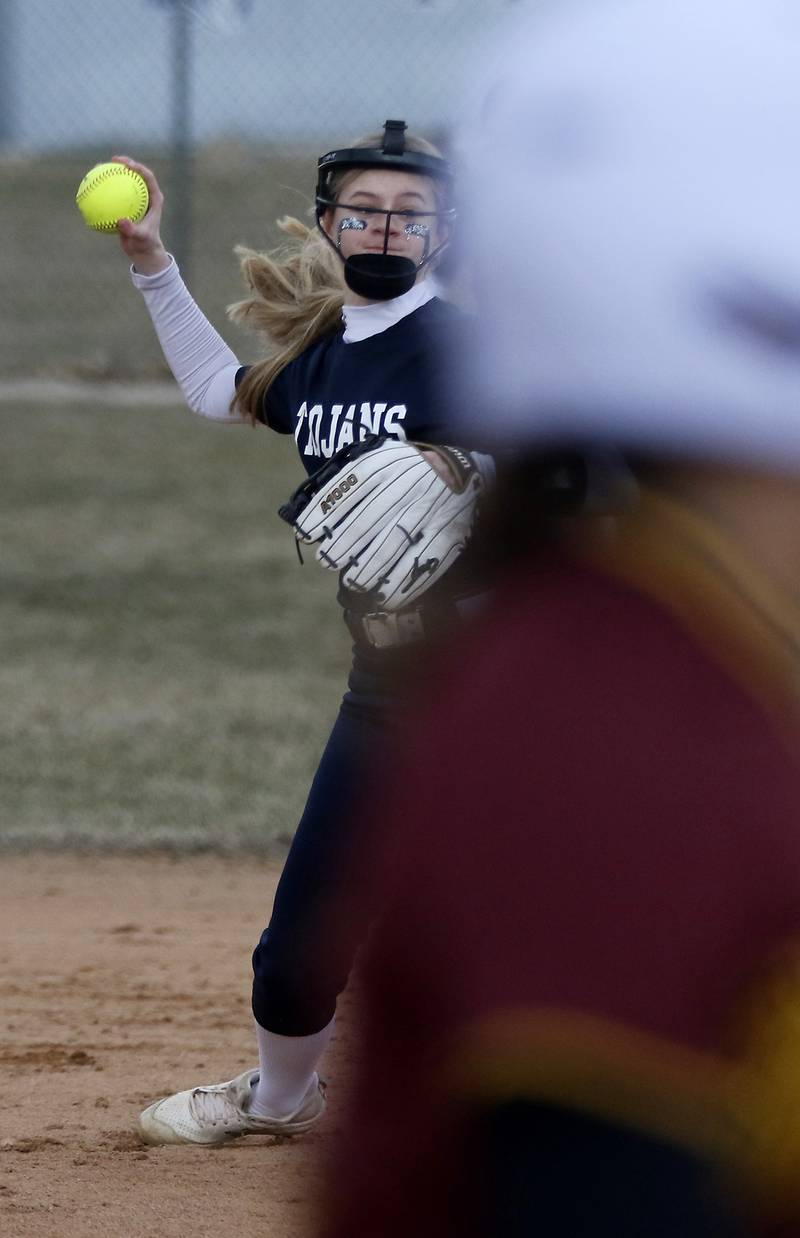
(287, 1065)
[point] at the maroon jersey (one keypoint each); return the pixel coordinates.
(592, 856)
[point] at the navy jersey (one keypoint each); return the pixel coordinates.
(336, 393)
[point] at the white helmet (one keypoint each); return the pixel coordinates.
(634, 218)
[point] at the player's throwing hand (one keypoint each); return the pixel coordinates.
(142, 241)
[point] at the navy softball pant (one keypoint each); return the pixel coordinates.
(303, 959)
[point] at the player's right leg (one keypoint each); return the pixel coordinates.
(303, 959)
(218, 1112)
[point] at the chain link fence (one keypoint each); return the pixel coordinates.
(230, 101)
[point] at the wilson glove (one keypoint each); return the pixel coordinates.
(383, 517)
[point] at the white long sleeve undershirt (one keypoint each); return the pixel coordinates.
(202, 363)
(205, 367)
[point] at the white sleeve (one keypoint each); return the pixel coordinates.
(203, 365)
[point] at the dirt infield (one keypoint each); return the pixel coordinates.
(122, 979)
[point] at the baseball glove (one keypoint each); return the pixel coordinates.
(382, 516)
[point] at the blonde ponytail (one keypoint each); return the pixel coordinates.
(298, 293)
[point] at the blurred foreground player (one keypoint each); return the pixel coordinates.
(583, 995)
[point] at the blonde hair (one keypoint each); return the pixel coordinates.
(297, 289)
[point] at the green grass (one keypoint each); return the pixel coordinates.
(169, 672)
(68, 307)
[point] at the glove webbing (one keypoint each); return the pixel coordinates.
(310, 488)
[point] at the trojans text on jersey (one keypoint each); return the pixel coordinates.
(321, 431)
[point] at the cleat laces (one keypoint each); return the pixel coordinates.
(212, 1107)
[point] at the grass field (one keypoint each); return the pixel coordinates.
(68, 307)
(169, 671)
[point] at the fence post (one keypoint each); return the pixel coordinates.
(7, 65)
(182, 154)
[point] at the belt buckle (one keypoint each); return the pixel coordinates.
(384, 629)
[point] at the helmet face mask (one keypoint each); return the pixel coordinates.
(382, 275)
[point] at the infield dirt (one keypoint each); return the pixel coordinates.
(125, 978)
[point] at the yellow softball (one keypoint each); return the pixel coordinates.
(109, 192)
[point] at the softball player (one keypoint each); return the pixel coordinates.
(356, 359)
(582, 994)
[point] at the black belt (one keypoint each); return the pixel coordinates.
(389, 629)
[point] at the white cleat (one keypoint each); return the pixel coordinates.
(218, 1113)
